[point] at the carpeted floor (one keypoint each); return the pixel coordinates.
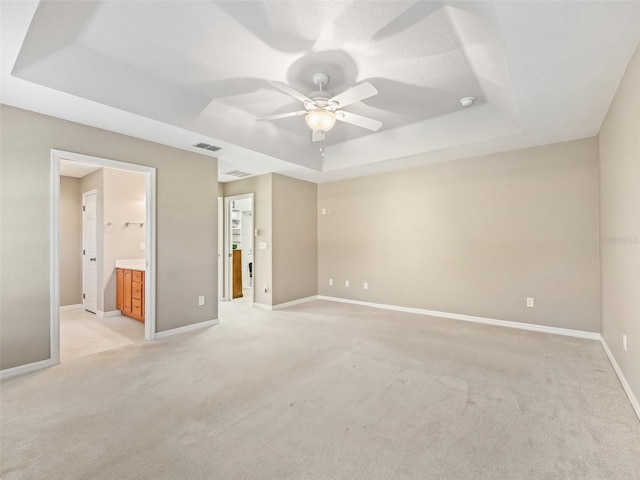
(326, 391)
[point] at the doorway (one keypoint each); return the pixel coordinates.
(92, 224)
(239, 265)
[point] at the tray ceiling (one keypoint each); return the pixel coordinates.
(541, 72)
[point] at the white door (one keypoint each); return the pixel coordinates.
(89, 252)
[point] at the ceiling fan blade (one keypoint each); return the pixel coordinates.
(359, 120)
(283, 115)
(317, 135)
(291, 91)
(354, 94)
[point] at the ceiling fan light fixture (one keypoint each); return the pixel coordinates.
(320, 120)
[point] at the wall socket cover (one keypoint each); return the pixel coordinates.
(201, 300)
(346, 283)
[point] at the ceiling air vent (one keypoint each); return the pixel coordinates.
(206, 146)
(237, 173)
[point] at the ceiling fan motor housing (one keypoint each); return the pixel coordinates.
(320, 97)
(320, 100)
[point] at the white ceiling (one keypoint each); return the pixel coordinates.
(69, 168)
(180, 73)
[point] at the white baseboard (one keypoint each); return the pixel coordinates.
(187, 328)
(294, 302)
(470, 318)
(262, 306)
(621, 377)
(28, 368)
(77, 306)
(98, 313)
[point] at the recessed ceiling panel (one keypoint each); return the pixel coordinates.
(537, 70)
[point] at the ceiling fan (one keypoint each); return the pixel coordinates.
(321, 110)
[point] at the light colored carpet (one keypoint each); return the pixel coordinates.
(326, 391)
(83, 333)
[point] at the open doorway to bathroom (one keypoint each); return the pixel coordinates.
(103, 258)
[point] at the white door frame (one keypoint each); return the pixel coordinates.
(150, 240)
(221, 249)
(93, 308)
(228, 251)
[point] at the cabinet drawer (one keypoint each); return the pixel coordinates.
(137, 276)
(136, 309)
(136, 290)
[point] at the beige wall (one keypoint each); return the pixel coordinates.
(285, 214)
(186, 226)
(70, 241)
(295, 239)
(619, 144)
(261, 187)
(475, 236)
(124, 202)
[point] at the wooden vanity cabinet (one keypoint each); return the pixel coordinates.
(130, 293)
(237, 274)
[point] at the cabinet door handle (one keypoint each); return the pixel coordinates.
(92, 259)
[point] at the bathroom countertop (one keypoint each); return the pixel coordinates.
(132, 264)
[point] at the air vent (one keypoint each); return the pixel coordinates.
(237, 173)
(206, 146)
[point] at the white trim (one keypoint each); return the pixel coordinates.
(470, 318)
(262, 306)
(187, 328)
(294, 302)
(77, 306)
(54, 270)
(112, 313)
(625, 385)
(150, 255)
(28, 368)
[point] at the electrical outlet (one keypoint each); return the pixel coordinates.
(624, 341)
(331, 281)
(346, 283)
(530, 303)
(201, 300)
(366, 286)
